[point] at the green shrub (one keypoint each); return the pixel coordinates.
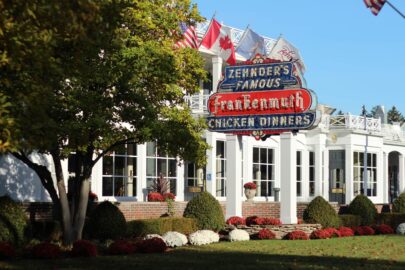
(362, 206)
(207, 211)
(350, 220)
(392, 219)
(160, 226)
(13, 221)
(398, 206)
(107, 222)
(46, 230)
(320, 211)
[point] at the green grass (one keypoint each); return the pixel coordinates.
(376, 252)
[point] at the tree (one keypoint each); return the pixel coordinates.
(85, 77)
(6, 124)
(393, 115)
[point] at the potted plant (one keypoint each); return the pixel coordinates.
(250, 191)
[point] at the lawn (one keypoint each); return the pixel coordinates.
(372, 252)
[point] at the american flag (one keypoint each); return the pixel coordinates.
(190, 37)
(374, 5)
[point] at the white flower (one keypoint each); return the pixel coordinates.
(238, 235)
(401, 228)
(175, 239)
(203, 237)
(150, 236)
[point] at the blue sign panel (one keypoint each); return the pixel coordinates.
(270, 76)
(262, 122)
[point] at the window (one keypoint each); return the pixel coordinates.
(159, 163)
(299, 173)
(358, 173)
(119, 171)
(311, 173)
(221, 169)
(263, 170)
(192, 175)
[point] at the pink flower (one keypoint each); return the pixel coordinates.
(250, 185)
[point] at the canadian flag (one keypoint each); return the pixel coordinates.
(218, 40)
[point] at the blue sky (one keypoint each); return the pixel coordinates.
(352, 57)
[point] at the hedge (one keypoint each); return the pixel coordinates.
(160, 226)
(350, 220)
(392, 219)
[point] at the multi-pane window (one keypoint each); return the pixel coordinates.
(160, 165)
(192, 179)
(358, 174)
(221, 169)
(119, 171)
(311, 176)
(263, 170)
(299, 173)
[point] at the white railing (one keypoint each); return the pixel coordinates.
(198, 103)
(393, 133)
(355, 122)
(236, 35)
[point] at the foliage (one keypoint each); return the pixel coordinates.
(363, 230)
(251, 220)
(169, 196)
(325, 233)
(267, 221)
(348, 220)
(393, 115)
(154, 245)
(6, 125)
(238, 235)
(250, 185)
(384, 229)
(46, 230)
(392, 219)
(398, 206)
(107, 222)
(46, 250)
(7, 251)
(203, 237)
(121, 247)
(13, 221)
(207, 211)
(320, 211)
(161, 185)
(401, 229)
(155, 197)
(174, 239)
(296, 235)
(362, 206)
(265, 234)
(236, 221)
(346, 231)
(84, 248)
(161, 225)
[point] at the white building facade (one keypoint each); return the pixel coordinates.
(327, 161)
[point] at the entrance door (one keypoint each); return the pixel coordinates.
(337, 182)
(393, 184)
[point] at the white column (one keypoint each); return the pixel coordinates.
(304, 175)
(319, 148)
(216, 72)
(326, 174)
(211, 163)
(233, 175)
(180, 183)
(288, 188)
(385, 178)
(141, 191)
(349, 173)
(401, 173)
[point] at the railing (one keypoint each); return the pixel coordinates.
(355, 122)
(198, 103)
(236, 35)
(393, 133)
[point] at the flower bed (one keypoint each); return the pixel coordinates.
(121, 247)
(175, 239)
(45, 251)
(296, 235)
(236, 221)
(84, 248)
(154, 245)
(265, 234)
(7, 251)
(238, 235)
(203, 237)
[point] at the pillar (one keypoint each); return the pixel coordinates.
(319, 148)
(141, 191)
(211, 163)
(180, 183)
(288, 176)
(385, 178)
(401, 173)
(349, 173)
(216, 72)
(233, 175)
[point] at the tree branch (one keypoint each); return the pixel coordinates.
(108, 149)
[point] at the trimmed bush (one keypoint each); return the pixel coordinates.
(392, 219)
(107, 222)
(238, 235)
(363, 207)
(207, 211)
(345, 232)
(121, 247)
(84, 248)
(321, 212)
(154, 245)
(384, 229)
(363, 230)
(203, 237)
(236, 221)
(160, 226)
(45, 251)
(296, 235)
(319, 234)
(267, 221)
(7, 251)
(265, 234)
(13, 221)
(398, 206)
(348, 220)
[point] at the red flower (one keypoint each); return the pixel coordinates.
(250, 185)
(384, 229)
(154, 245)
(320, 234)
(267, 221)
(236, 221)
(120, 247)
(93, 196)
(169, 196)
(332, 232)
(7, 251)
(155, 197)
(345, 232)
(363, 230)
(46, 251)
(84, 248)
(296, 235)
(266, 234)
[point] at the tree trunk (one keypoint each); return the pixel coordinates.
(80, 215)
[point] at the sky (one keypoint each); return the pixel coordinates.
(353, 58)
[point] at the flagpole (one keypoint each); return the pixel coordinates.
(394, 8)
